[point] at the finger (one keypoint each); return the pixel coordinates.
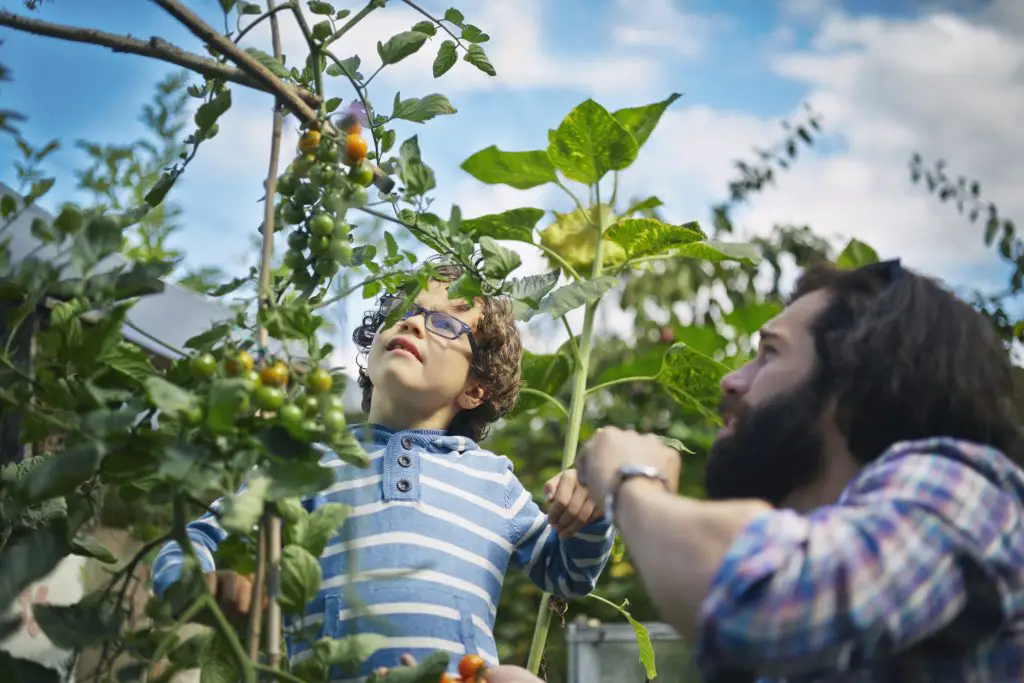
(407, 660)
(563, 494)
(211, 583)
(551, 486)
(381, 672)
(572, 510)
(587, 514)
(243, 594)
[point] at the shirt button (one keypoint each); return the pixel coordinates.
(404, 460)
(406, 443)
(404, 485)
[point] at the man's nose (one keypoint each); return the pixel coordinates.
(738, 381)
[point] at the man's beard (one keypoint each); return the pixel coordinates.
(773, 450)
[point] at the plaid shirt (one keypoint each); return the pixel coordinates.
(916, 574)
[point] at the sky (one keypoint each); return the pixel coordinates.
(889, 77)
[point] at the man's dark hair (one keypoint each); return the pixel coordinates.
(906, 359)
(496, 365)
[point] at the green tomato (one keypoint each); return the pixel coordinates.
(310, 426)
(326, 267)
(292, 213)
(319, 380)
(309, 404)
(334, 420)
(294, 259)
(341, 251)
(204, 365)
(328, 152)
(341, 228)
(301, 277)
(251, 378)
(269, 398)
(306, 194)
(290, 414)
(357, 197)
(302, 164)
(322, 175)
(321, 225)
(362, 175)
(298, 240)
(335, 202)
(331, 402)
(286, 184)
(192, 415)
(319, 244)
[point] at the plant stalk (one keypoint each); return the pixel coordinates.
(572, 436)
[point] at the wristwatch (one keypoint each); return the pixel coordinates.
(625, 473)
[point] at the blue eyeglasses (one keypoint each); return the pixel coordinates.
(438, 322)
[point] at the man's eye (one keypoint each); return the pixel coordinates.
(768, 350)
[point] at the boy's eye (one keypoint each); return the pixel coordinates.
(444, 323)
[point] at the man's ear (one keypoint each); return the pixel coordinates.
(472, 397)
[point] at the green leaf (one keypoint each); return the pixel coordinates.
(701, 338)
(651, 237)
(229, 287)
(454, 16)
(42, 231)
(573, 295)
(349, 67)
(26, 671)
(102, 236)
(332, 104)
(423, 109)
(322, 525)
(692, 379)
(400, 46)
(209, 112)
(387, 141)
(274, 65)
(63, 473)
(156, 195)
(427, 27)
(300, 578)
(242, 512)
(90, 622)
(855, 255)
(675, 444)
(290, 479)
(643, 641)
(250, 8)
(69, 221)
(527, 292)
(641, 121)
(446, 57)
(29, 558)
(543, 372)
(715, 251)
(9, 204)
(498, 261)
(516, 224)
(417, 176)
(204, 341)
(227, 398)
(648, 204)
(473, 34)
(476, 56)
(318, 7)
(427, 671)
(87, 546)
(218, 662)
(750, 318)
(521, 170)
(170, 398)
(589, 143)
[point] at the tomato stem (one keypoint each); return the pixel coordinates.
(572, 436)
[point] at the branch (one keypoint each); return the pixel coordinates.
(156, 48)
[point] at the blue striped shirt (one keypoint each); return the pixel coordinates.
(435, 522)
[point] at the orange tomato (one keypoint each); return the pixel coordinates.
(275, 375)
(471, 666)
(309, 141)
(355, 148)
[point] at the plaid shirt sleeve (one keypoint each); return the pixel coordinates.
(915, 548)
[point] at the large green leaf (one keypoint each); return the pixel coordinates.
(750, 318)
(573, 295)
(227, 398)
(400, 46)
(692, 379)
(63, 473)
(445, 59)
(517, 224)
(347, 652)
(526, 292)
(417, 176)
(703, 339)
(291, 479)
(651, 237)
(86, 546)
(856, 254)
(720, 251)
(300, 578)
(89, 622)
(242, 512)
(641, 121)
(170, 398)
(419, 110)
(498, 261)
(321, 526)
(543, 372)
(218, 662)
(589, 143)
(521, 170)
(101, 237)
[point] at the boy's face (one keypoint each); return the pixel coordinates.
(413, 367)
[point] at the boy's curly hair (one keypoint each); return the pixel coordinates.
(496, 366)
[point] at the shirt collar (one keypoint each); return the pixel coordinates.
(436, 439)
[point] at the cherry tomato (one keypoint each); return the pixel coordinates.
(251, 379)
(335, 201)
(275, 375)
(204, 365)
(293, 214)
(341, 228)
(306, 194)
(326, 267)
(286, 184)
(321, 225)
(328, 152)
(241, 362)
(310, 405)
(355, 148)
(331, 402)
(298, 240)
(192, 415)
(268, 398)
(357, 197)
(362, 175)
(319, 381)
(471, 666)
(341, 251)
(290, 414)
(334, 420)
(302, 164)
(309, 141)
(319, 244)
(294, 259)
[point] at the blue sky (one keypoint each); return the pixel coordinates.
(876, 69)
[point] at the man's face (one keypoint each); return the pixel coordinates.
(772, 443)
(412, 365)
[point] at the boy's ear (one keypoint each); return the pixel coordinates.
(472, 397)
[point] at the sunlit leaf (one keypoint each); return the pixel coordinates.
(516, 224)
(651, 237)
(855, 255)
(641, 121)
(573, 295)
(521, 170)
(300, 578)
(589, 143)
(692, 379)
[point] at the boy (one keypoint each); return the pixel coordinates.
(436, 520)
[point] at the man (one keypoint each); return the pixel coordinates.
(867, 521)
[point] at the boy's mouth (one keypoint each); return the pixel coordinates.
(405, 344)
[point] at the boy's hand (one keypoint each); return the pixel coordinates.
(571, 506)
(233, 593)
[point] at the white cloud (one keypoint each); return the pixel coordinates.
(663, 25)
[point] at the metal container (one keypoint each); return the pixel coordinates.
(608, 653)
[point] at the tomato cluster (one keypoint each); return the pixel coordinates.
(471, 670)
(315, 193)
(308, 404)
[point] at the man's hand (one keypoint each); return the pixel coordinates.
(510, 674)
(610, 448)
(572, 508)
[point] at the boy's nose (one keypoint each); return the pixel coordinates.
(413, 325)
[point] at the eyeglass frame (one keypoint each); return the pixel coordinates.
(430, 314)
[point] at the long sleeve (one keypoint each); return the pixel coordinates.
(206, 535)
(566, 568)
(921, 546)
